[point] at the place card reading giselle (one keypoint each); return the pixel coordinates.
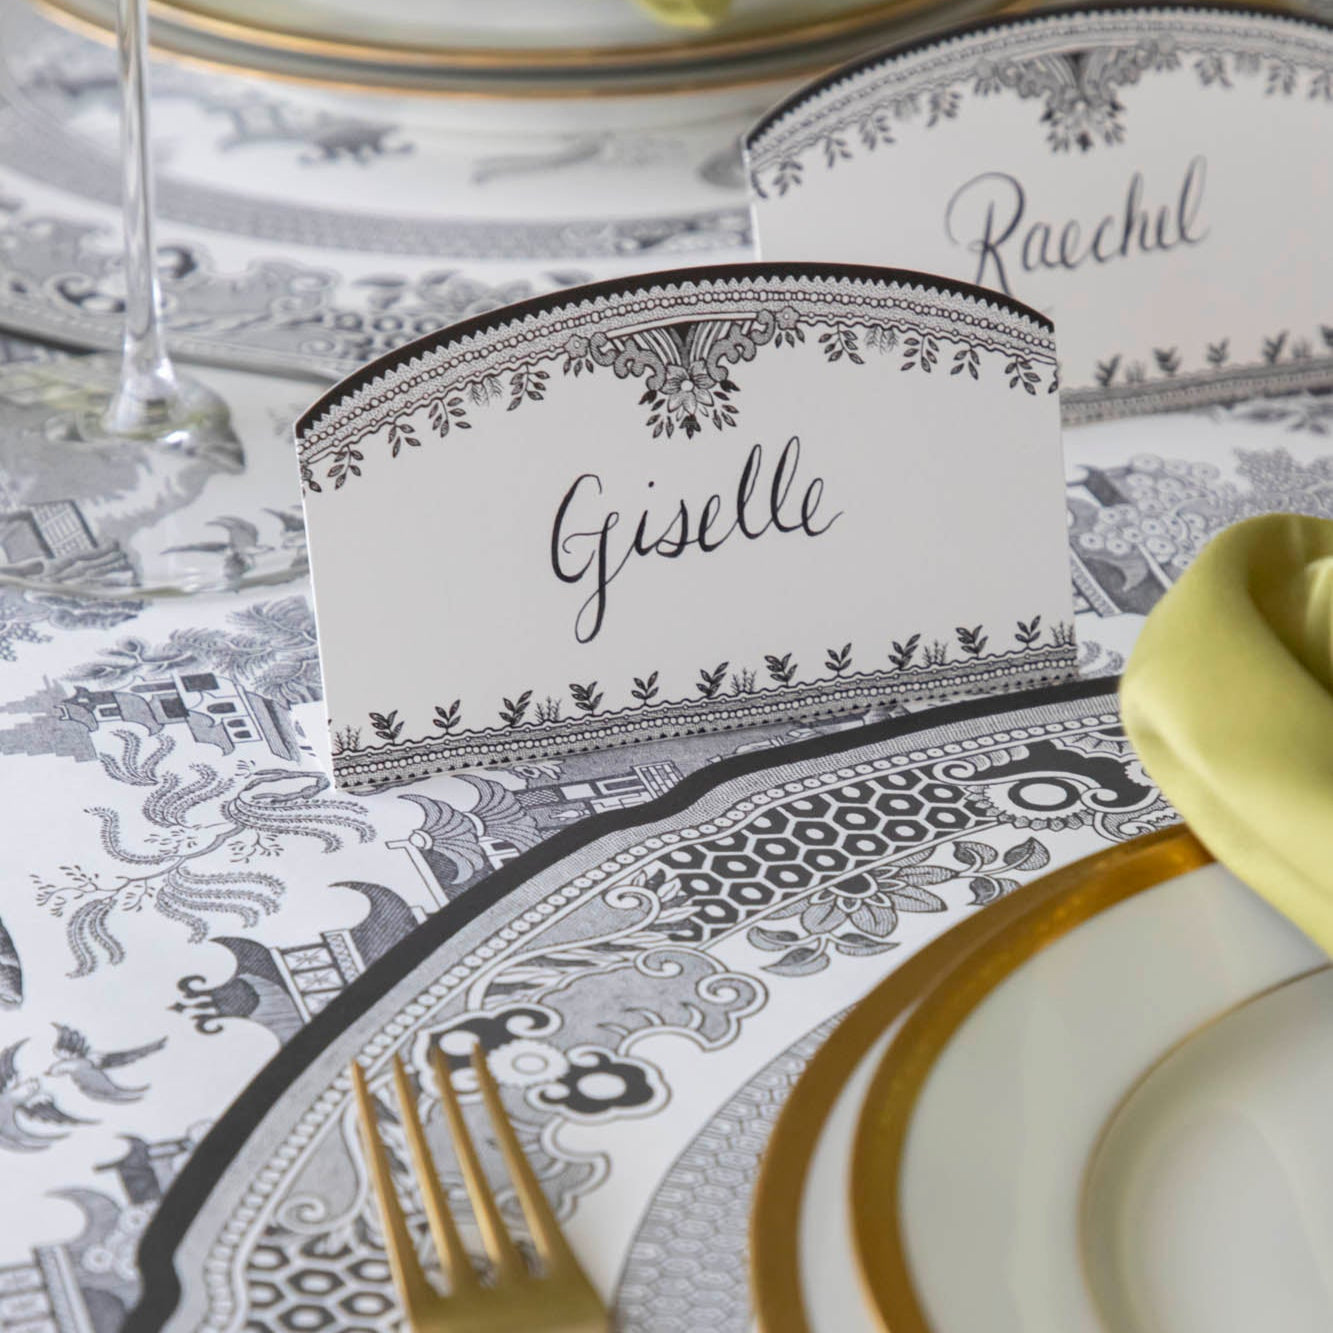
(684, 502)
(1156, 179)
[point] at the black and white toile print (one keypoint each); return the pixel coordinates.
(185, 872)
(632, 981)
(1156, 178)
(695, 501)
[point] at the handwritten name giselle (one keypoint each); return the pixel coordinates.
(987, 215)
(585, 551)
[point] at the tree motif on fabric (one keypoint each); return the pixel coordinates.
(210, 832)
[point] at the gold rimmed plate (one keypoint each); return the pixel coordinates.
(534, 47)
(1107, 1116)
(803, 1275)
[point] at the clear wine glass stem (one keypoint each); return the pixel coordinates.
(147, 401)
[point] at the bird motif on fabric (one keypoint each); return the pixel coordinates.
(293, 528)
(239, 552)
(87, 1067)
(23, 1101)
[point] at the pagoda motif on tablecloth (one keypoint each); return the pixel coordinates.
(283, 987)
(54, 540)
(88, 1284)
(212, 709)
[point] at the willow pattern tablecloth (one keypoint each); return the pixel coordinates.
(184, 889)
(184, 892)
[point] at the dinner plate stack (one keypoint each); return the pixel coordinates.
(532, 47)
(1099, 1107)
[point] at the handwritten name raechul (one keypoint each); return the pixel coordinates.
(586, 549)
(989, 216)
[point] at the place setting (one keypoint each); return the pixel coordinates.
(666, 668)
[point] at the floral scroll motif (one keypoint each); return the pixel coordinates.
(686, 371)
(1079, 88)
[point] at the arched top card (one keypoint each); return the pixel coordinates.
(1158, 179)
(685, 502)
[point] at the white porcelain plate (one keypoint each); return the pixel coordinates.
(1121, 1125)
(577, 46)
(804, 1277)
(1210, 1202)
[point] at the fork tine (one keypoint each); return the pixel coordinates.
(508, 1262)
(415, 1292)
(448, 1244)
(546, 1234)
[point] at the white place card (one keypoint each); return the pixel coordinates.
(1158, 180)
(684, 502)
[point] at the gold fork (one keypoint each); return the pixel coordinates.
(559, 1299)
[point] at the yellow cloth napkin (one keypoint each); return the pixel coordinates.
(688, 13)
(1228, 698)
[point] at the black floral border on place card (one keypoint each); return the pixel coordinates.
(528, 728)
(676, 361)
(1071, 62)
(669, 350)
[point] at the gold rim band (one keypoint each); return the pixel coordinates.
(1067, 899)
(351, 68)
(622, 59)
(61, 12)
(775, 1268)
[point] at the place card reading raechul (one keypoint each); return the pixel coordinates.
(1155, 178)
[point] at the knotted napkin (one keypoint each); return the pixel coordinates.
(1228, 699)
(688, 13)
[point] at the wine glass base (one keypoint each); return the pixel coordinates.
(173, 510)
(190, 420)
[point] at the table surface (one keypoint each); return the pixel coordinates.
(185, 892)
